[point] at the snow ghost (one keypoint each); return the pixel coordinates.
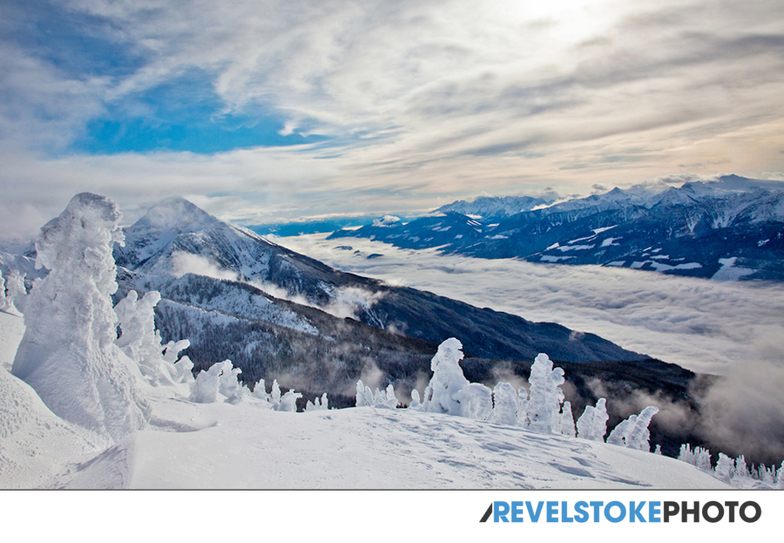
(141, 342)
(441, 394)
(633, 432)
(68, 352)
(505, 404)
(544, 405)
(592, 424)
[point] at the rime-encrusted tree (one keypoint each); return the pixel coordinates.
(725, 468)
(567, 420)
(699, 457)
(415, 403)
(68, 354)
(220, 378)
(780, 480)
(546, 396)
(447, 381)
(260, 392)
(12, 291)
(476, 401)
(522, 407)
(633, 432)
(142, 342)
(318, 404)
(205, 388)
(275, 392)
(5, 301)
(288, 402)
(504, 405)
(365, 397)
(741, 469)
(592, 424)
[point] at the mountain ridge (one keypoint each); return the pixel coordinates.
(698, 229)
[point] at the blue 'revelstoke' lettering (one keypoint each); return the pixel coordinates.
(609, 507)
(534, 515)
(635, 512)
(552, 511)
(581, 515)
(565, 513)
(500, 511)
(654, 510)
(517, 511)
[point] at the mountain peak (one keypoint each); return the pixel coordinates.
(175, 213)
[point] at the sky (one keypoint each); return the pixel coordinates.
(266, 111)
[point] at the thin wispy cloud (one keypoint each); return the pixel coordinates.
(412, 102)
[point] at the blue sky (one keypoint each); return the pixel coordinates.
(272, 110)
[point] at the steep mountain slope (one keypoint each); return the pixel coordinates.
(176, 237)
(727, 229)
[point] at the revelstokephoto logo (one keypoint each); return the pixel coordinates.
(632, 511)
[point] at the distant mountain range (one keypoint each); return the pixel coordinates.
(728, 229)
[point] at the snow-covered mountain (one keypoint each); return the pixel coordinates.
(489, 207)
(730, 228)
(193, 258)
(94, 396)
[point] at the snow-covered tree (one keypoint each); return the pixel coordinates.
(592, 424)
(415, 403)
(220, 378)
(229, 384)
(275, 392)
(567, 420)
(725, 468)
(318, 404)
(686, 454)
(522, 407)
(546, 396)
(142, 342)
(780, 480)
(5, 301)
(288, 402)
(633, 432)
(12, 291)
(365, 397)
(441, 394)
(260, 392)
(476, 401)
(741, 469)
(204, 388)
(699, 457)
(183, 366)
(505, 404)
(68, 354)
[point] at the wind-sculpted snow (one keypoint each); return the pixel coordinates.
(68, 354)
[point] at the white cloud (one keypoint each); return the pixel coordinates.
(701, 325)
(183, 263)
(423, 100)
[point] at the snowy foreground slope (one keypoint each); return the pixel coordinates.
(219, 445)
